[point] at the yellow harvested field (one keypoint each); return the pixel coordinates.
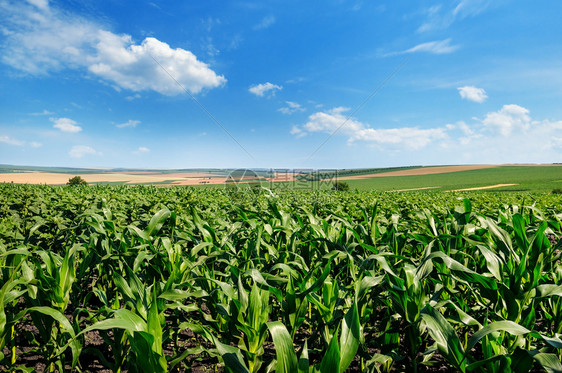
(483, 187)
(421, 171)
(127, 177)
(36, 177)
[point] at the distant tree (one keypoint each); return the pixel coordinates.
(341, 186)
(76, 180)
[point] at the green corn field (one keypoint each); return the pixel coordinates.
(143, 279)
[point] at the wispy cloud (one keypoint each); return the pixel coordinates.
(297, 132)
(472, 93)
(65, 125)
(292, 107)
(10, 141)
(79, 151)
(142, 150)
(433, 47)
(133, 97)
(265, 88)
(438, 17)
(404, 138)
(129, 123)
(39, 39)
(265, 23)
(467, 8)
(44, 112)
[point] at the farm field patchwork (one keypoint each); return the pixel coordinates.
(530, 178)
(144, 279)
(539, 178)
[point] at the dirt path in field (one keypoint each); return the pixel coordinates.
(483, 187)
(408, 190)
(422, 171)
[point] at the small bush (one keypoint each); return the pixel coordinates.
(76, 180)
(340, 186)
(557, 191)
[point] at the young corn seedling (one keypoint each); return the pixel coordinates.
(144, 334)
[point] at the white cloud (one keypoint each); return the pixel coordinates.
(296, 131)
(8, 140)
(41, 4)
(509, 135)
(78, 151)
(405, 138)
(508, 119)
(468, 133)
(441, 17)
(470, 7)
(146, 66)
(472, 93)
(133, 97)
(265, 23)
(434, 47)
(44, 112)
(15, 142)
(129, 123)
(65, 125)
(141, 150)
(41, 39)
(292, 107)
(462, 126)
(265, 88)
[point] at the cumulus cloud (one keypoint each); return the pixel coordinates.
(508, 135)
(78, 151)
(146, 66)
(508, 119)
(129, 123)
(472, 93)
(39, 39)
(65, 125)
(398, 138)
(265, 88)
(292, 107)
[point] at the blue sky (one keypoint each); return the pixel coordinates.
(282, 84)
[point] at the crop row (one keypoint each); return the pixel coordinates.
(154, 280)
